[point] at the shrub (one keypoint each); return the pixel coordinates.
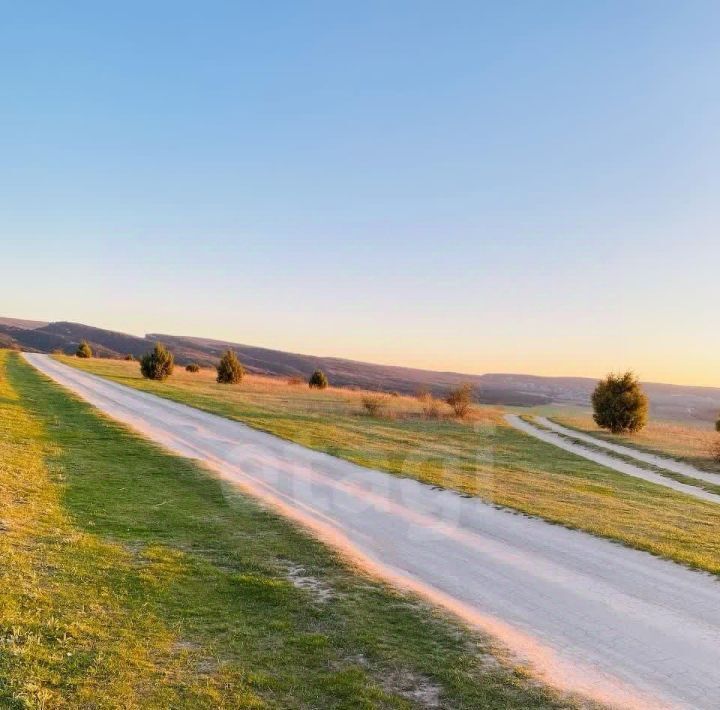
(717, 425)
(318, 380)
(619, 404)
(373, 404)
(84, 350)
(129, 357)
(460, 399)
(715, 451)
(430, 405)
(422, 394)
(157, 365)
(192, 367)
(229, 370)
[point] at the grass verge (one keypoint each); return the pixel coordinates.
(132, 578)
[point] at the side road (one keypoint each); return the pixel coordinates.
(614, 623)
(669, 464)
(606, 459)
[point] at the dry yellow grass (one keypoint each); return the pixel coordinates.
(269, 392)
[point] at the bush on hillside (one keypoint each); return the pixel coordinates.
(717, 425)
(157, 365)
(460, 399)
(229, 370)
(373, 404)
(619, 404)
(84, 350)
(129, 357)
(318, 380)
(715, 451)
(430, 405)
(192, 367)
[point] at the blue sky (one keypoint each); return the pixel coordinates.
(515, 186)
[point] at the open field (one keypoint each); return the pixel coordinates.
(132, 578)
(683, 441)
(483, 457)
(558, 597)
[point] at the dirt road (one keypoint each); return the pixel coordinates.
(665, 462)
(556, 439)
(593, 616)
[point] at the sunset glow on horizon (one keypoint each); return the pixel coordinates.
(472, 187)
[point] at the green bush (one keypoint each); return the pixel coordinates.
(84, 350)
(318, 380)
(717, 425)
(460, 399)
(157, 365)
(229, 370)
(619, 404)
(192, 367)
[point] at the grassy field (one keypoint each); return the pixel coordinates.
(131, 578)
(483, 457)
(686, 442)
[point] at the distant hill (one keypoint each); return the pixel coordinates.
(669, 401)
(21, 323)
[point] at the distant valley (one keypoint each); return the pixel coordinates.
(668, 401)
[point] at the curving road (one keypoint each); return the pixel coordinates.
(613, 462)
(665, 462)
(614, 623)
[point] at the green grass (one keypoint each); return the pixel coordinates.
(484, 457)
(132, 578)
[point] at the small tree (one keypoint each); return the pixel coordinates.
(619, 404)
(192, 367)
(129, 357)
(229, 370)
(460, 399)
(157, 365)
(717, 425)
(84, 350)
(318, 380)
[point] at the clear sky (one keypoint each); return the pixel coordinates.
(500, 186)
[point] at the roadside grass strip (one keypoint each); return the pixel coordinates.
(133, 578)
